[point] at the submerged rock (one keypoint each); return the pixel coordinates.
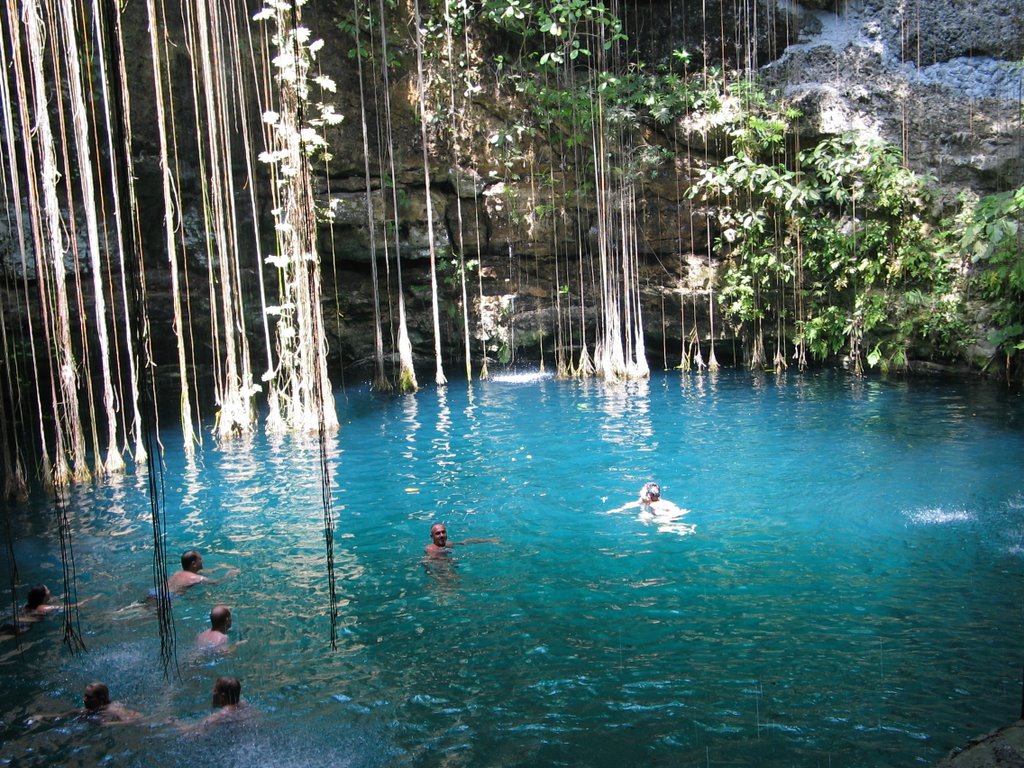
(1003, 747)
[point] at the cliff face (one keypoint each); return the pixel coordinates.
(938, 79)
(941, 80)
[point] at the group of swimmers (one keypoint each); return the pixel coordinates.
(97, 705)
(226, 698)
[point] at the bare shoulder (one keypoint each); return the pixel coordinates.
(116, 712)
(211, 638)
(666, 509)
(182, 580)
(237, 713)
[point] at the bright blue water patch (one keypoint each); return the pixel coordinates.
(846, 589)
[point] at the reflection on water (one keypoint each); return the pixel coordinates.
(844, 587)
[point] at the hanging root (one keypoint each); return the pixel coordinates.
(114, 463)
(780, 360)
(15, 485)
(585, 367)
(561, 369)
(407, 382)
(685, 364)
(381, 383)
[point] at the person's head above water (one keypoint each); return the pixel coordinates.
(439, 535)
(96, 696)
(227, 691)
(650, 492)
(192, 561)
(37, 596)
(220, 618)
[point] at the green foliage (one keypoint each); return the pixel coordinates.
(993, 240)
(452, 270)
(832, 246)
(822, 331)
(565, 30)
(367, 27)
(839, 232)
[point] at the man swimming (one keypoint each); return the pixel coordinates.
(189, 575)
(439, 545)
(98, 706)
(217, 635)
(227, 704)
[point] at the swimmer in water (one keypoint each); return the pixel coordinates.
(652, 506)
(98, 706)
(189, 575)
(227, 705)
(217, 634)
(37, 607)
(439, 545)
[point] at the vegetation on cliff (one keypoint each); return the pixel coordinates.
(654, 194)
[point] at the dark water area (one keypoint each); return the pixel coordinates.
(844, 590)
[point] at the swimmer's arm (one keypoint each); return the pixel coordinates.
(476, 541)
(231, 570)
(77, 604)
(45, 716)
(626, 507)
(231, 573)
(118, 714)
(55, 607)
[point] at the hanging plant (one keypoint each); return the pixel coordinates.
(300, 393)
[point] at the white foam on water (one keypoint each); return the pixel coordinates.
(938, 516)
(525, 377)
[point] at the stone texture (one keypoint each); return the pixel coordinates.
(1000, 748)
(939, 78)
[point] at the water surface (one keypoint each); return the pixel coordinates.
(846, 590)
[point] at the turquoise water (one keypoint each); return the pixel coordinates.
(847, 591)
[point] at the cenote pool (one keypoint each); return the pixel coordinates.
(847, 591)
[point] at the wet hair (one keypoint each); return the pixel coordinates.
(651, 489)
(97, 695)
(188, 558)
(220, 616)
(36, 596)
(227, 691)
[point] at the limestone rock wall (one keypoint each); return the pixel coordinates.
(941, 79)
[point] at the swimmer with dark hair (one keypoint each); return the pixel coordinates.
(189, 575)
(227, 705)
(38, 601)
(37, 606)
(98, 706)
(652, 506)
